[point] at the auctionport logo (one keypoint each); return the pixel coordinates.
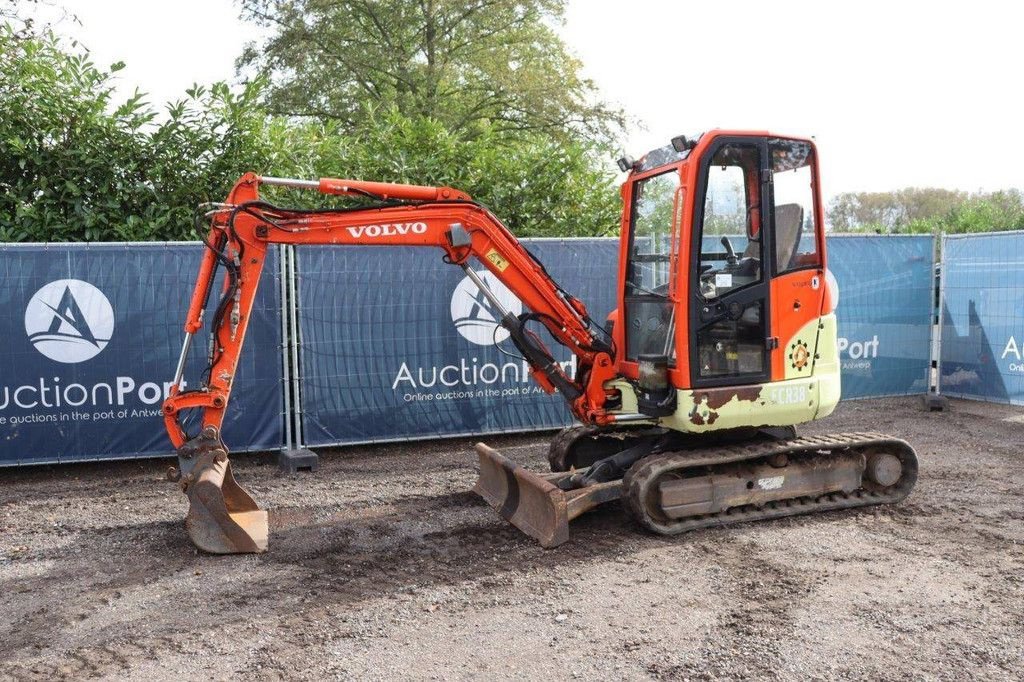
(474, 317)
(69, 321)
(477, 322)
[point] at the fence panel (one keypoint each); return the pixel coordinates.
(886, 294)
(982, 354)
(93, 334)
(382, 359)
(92, 337)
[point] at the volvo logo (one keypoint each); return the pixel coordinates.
(387, 230)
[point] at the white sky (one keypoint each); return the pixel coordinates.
(897, 93)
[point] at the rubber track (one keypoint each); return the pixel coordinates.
(638, 481)
(567, 438)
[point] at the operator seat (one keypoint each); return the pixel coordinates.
(789, 227)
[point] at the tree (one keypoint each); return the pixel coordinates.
(891, 210)
(537, 186)
(463, 63)
(76, 165)
(925, 210)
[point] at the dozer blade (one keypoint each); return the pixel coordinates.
(534, 503)
(222, 517)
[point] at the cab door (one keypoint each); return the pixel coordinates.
(731, 340)
(797, 262)
(647, 297)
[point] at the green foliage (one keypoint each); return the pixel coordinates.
(892, 210)
(497, 62)
(1003, 210)
(536, 185)
(925, 211)
(75, 165)
(654, 200)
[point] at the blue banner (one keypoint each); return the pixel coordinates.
(92, 336)
(886, 294)
(396, 344)
(886, 289)
(983, 317)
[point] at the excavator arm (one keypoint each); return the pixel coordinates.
(222, 517)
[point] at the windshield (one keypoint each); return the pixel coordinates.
(649, 313)
(653, 199)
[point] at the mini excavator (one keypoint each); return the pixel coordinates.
(687, 397)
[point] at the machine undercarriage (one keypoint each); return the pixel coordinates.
(672, 483)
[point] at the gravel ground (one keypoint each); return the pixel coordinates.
(383, 565)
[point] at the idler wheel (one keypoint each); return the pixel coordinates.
(884, 468)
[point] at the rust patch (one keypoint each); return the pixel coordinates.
(716, 398)
(699, 419)
(695, 416)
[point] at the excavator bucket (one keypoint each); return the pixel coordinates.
(534, 503)
(222, 517)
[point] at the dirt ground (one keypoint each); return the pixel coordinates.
(382, 565)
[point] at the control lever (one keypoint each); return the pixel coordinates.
(729, 251)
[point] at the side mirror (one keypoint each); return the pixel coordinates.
(681, 143)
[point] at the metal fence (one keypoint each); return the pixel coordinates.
(92, 333)
(394, 344)
(374, 344)
(981, 318)
(886, 286)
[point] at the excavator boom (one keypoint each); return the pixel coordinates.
(244, 226)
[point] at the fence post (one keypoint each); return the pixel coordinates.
(934, 400)
(296, 457)
(285, 348)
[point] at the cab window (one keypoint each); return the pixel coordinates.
(648, 310)
(730, 308)
(796, 236)
(730, 245)
(653, 199)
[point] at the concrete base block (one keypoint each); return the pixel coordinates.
(301, 459)
(934, 403)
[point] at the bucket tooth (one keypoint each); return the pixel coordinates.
(534, 503)
(222, 516)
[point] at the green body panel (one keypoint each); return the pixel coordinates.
(807, 393)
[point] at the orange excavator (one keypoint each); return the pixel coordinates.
(687, 397)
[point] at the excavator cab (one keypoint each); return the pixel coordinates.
(724, 339)
(721, 264)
